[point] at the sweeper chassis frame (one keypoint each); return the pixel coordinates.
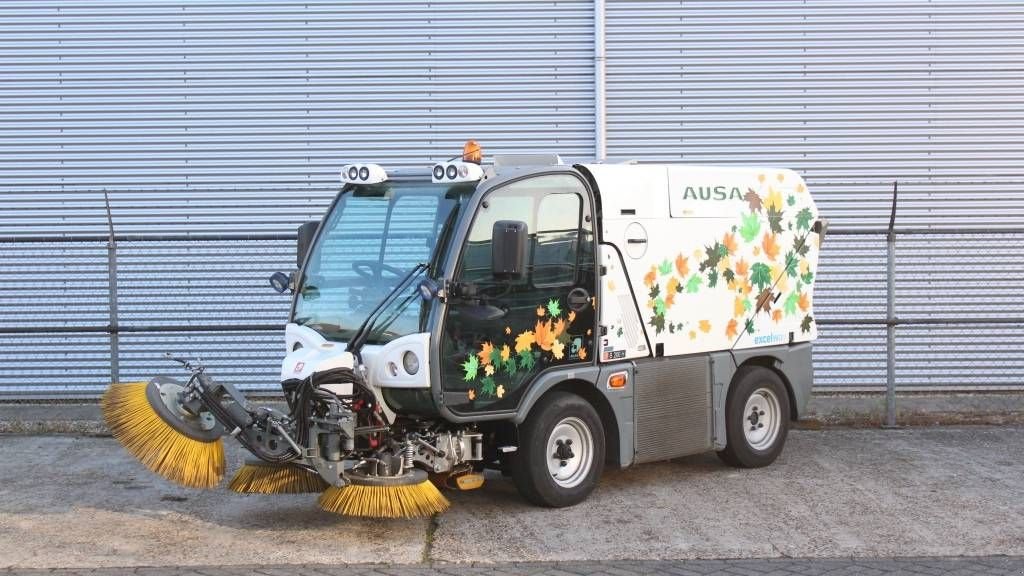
(205, 410)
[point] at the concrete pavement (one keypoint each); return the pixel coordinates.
(83, 502)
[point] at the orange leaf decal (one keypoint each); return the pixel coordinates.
(582, 353)
(525, 341)
(729, 240)
(559, 328)
(777, 315)
(730, 329)
(681, 266)
(671, 285)
(705, 326)
(508, 330)
(544, 335)
(651, 276)
(742, 268)
(572, 316)
(670, 299)
(771, 248)
(804, 302)
(471, 394)
(540, 311)
(485, 353)
(738, 307)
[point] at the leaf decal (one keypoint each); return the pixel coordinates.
(540, 311)
(775, 220)
(705, 326)
(659, 306)
(487, 386)
(804, 302)
(582, 353)
(777, 315)
(738, 308)
(510, 366)
(803, 219)
(774, 200)
(505, 353)
(672, 286)
(485, 353)
(471, 394)
(470, 368)
(670, 299)
(791, 264)
(526, 361)
(712, 278)
(665, 267)
(524, 342)
(489, 370)
(554, 309)
(730, 329)
(807, 278)
(750, 227)
(693, 284)
(770, 246)
(559, 328)
(805, 325)
(729, 241)
(749, 325)
(790, 200)
(764, 300)
(742, 268)
(500, 392)
(651, 276)
(658, 321)
(558, 349)
(681, 266)
(761, 276)
(544, 335)
(572, 316)
(790, 304)
(753, 200)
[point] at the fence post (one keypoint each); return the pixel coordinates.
(890, 317)
(115, 367)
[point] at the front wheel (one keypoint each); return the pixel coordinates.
(561, 451)
(756, 418)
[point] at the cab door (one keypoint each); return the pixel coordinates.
(499, 333)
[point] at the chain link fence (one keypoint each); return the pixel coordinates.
(900, 309)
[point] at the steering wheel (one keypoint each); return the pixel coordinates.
(368, 269)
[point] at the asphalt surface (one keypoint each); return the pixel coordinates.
(993, 566)
(82, 502)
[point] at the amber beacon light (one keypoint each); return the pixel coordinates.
(471, 152)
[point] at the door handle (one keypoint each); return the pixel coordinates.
(577, 299)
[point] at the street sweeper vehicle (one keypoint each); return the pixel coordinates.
(527, 316)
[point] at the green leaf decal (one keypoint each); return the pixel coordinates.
(805, 325)
(775, 219)
(800, 245)
(791, 263)
(693, 284)
(487, 386)
(470, 367)
(789, 306)
(749, 326)
(554, 309)
(526, 361)
(712, 278)
(510, 366)
(496, 356)
(655, 290)
(803, 219)
(790, 200)
(761, 275)
(665, 268)
(659, 323)
(747, 305)
(751, 227)
(807, 278)
(659, 306)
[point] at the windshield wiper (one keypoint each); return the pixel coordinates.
(363, 332)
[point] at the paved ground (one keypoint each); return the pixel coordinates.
(992, 565)
(82, 502)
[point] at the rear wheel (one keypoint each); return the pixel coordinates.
(561, 451)
(756, 418)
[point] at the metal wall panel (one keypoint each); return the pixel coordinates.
(855, 95)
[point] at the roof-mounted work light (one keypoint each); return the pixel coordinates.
(456, 171)
(363, 174)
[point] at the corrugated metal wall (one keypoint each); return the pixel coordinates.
(219, 119)
(855, 95)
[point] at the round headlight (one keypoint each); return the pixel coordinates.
(438, 172)
(353, 173)
(452, 171)
(410, 362)
(364, 173)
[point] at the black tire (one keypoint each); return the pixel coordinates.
(740, 451)
(530, 471)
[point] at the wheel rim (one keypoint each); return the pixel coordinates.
(570, 452)
(762, 419)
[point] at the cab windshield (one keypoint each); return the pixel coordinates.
(372, 237)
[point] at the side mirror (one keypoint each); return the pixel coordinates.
(304, 238)
(509, 243)
(281, 282)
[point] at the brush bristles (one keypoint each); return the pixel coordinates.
(408, 501)
(257, 479)
(162, 449)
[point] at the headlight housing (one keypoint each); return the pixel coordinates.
(410, 362)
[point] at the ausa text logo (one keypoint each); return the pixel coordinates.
(712, 193)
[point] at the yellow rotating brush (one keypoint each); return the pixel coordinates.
(411, 495)
(147, 419)
(258, 477)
